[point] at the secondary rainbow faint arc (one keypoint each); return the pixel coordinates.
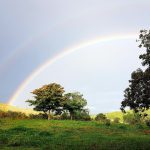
(65, 52)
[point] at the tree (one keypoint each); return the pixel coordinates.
(137, 95)
(74, 102)
(82, 115)
(100, 117)
(48, 98)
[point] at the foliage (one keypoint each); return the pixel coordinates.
(82, 115)
(137, 95)
(100, 117)
(144, 39)
(107, 122)
(147, 122)
(38, 116)
(116, 120)
(13, 115)
(48, 98)
(132, 118)
(74, 102)
(65, 116)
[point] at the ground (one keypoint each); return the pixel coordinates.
(71, 135)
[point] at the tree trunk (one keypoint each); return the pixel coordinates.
(49, 117)
(71, 115)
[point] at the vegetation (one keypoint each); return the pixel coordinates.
(78, 115)
(71, 126)
(100, 117)
(67, 134)
(132, 118)
(75, 104)
(137, 95)
(51, 100)
(48, 98)
(116, 120)
(6, 107)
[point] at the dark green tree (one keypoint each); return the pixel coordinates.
(74, 102)
(137, 95)
(49, 98)
(100, 117)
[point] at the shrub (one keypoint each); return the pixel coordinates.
(13, 115)
(107, 122)
(116, 120)
(139, 126)
(16, 115)
(3, 114)
(122, 126)
(65, 116)
(132, 118)
(100, 117)
(82, 115)
(38, 116)
(147, 122)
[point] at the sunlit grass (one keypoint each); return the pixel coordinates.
(66, 134)
(6, 107)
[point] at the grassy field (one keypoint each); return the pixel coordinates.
(71, 135)
(6, 107)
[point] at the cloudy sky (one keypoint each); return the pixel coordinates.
(85, 45)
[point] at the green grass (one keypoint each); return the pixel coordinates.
(71, 135)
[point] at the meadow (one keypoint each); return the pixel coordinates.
(71, 135)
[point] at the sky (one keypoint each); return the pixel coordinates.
(33, 32)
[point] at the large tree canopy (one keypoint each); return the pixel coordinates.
(48, 98)
(137, 95)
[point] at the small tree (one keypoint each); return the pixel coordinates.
(74, 102)
(100, 117)
(48, 98)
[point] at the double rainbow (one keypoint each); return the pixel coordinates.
(63, 53)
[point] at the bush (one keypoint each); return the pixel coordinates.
(13, 115)
(65, 116)
(3, 114)
(116, 120)
(38, 116)
(16, 115)
(100, 117)
(139, 126)
(147, 122)
(122, 126)
(82, 115)
(132, 118)
(107, 122)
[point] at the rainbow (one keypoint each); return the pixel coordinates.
(64, 53)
